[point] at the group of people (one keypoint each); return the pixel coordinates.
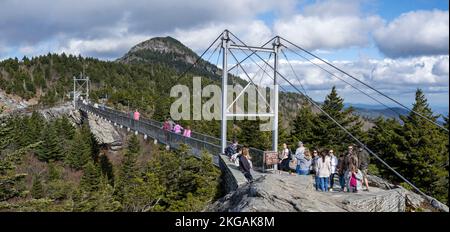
(240, 155)
(170, 126)
(351, 167)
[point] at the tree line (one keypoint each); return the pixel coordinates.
(56, 166)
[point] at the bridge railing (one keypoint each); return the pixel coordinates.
(197, 142)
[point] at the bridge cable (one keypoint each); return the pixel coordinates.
(198, 59)
(367, 85)
(232, 54)
(295, 74)
(250, 54)
(334, 75)
(342, 127)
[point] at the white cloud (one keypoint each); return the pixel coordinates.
(313, 32)
(104, 46)
(390, 75)
(252, 32)
(328, 25)
(415, 33)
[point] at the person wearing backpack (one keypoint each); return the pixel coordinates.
(363, 158)
(303, 160)
(231, 149)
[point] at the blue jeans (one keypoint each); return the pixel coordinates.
(324, 184)
(342, 181)
(317, 179)
(300, 171)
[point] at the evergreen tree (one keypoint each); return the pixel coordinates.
(53, 172)
(327, 133)
(417, 150)
(50, 148)
(129, 169)
(101, 200)
(133, 145)
(303, 127)
(91, 177)
(107, 168)
(79, 152)
(37, 190)
(35, 127)
(283, 136)
(251, 135)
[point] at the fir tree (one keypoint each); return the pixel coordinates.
(330, 135)
(303, 127)
(129, 169)
(417, 150)
(50, 148)
(79, 152)
(37, 190)
(107, 168)
(91, 177)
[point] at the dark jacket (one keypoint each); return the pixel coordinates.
(243, 163)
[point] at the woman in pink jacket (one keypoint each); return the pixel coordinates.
(187, 131)
(177, 128)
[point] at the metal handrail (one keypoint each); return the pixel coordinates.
(153, 129)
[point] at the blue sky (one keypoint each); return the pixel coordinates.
(396, 46)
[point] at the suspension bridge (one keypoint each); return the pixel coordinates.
(227, 44)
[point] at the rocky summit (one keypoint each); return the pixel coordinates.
(292, 193)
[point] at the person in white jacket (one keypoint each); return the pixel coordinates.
(324, 171)
(334, 163)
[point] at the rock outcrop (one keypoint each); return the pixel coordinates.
(104, 132)
(292, 193)
(65, 109)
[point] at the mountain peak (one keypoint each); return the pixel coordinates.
(146, 51)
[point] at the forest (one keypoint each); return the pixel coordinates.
(55, 166)
(412, 146)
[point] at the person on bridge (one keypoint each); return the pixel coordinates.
(136, 115)
(177, 128)
(187, 131)
(244, 164)
(285, 157)
(166, 125)
(324, 170)
(334, 163)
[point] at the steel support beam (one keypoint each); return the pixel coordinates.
(225, 47)
(276, 48)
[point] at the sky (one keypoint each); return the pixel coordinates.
(395, 46)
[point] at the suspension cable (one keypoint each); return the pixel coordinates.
(234, 66)
(295, 74)
(332, 74)
(367, 85)
(198, 59)
(340, 126)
